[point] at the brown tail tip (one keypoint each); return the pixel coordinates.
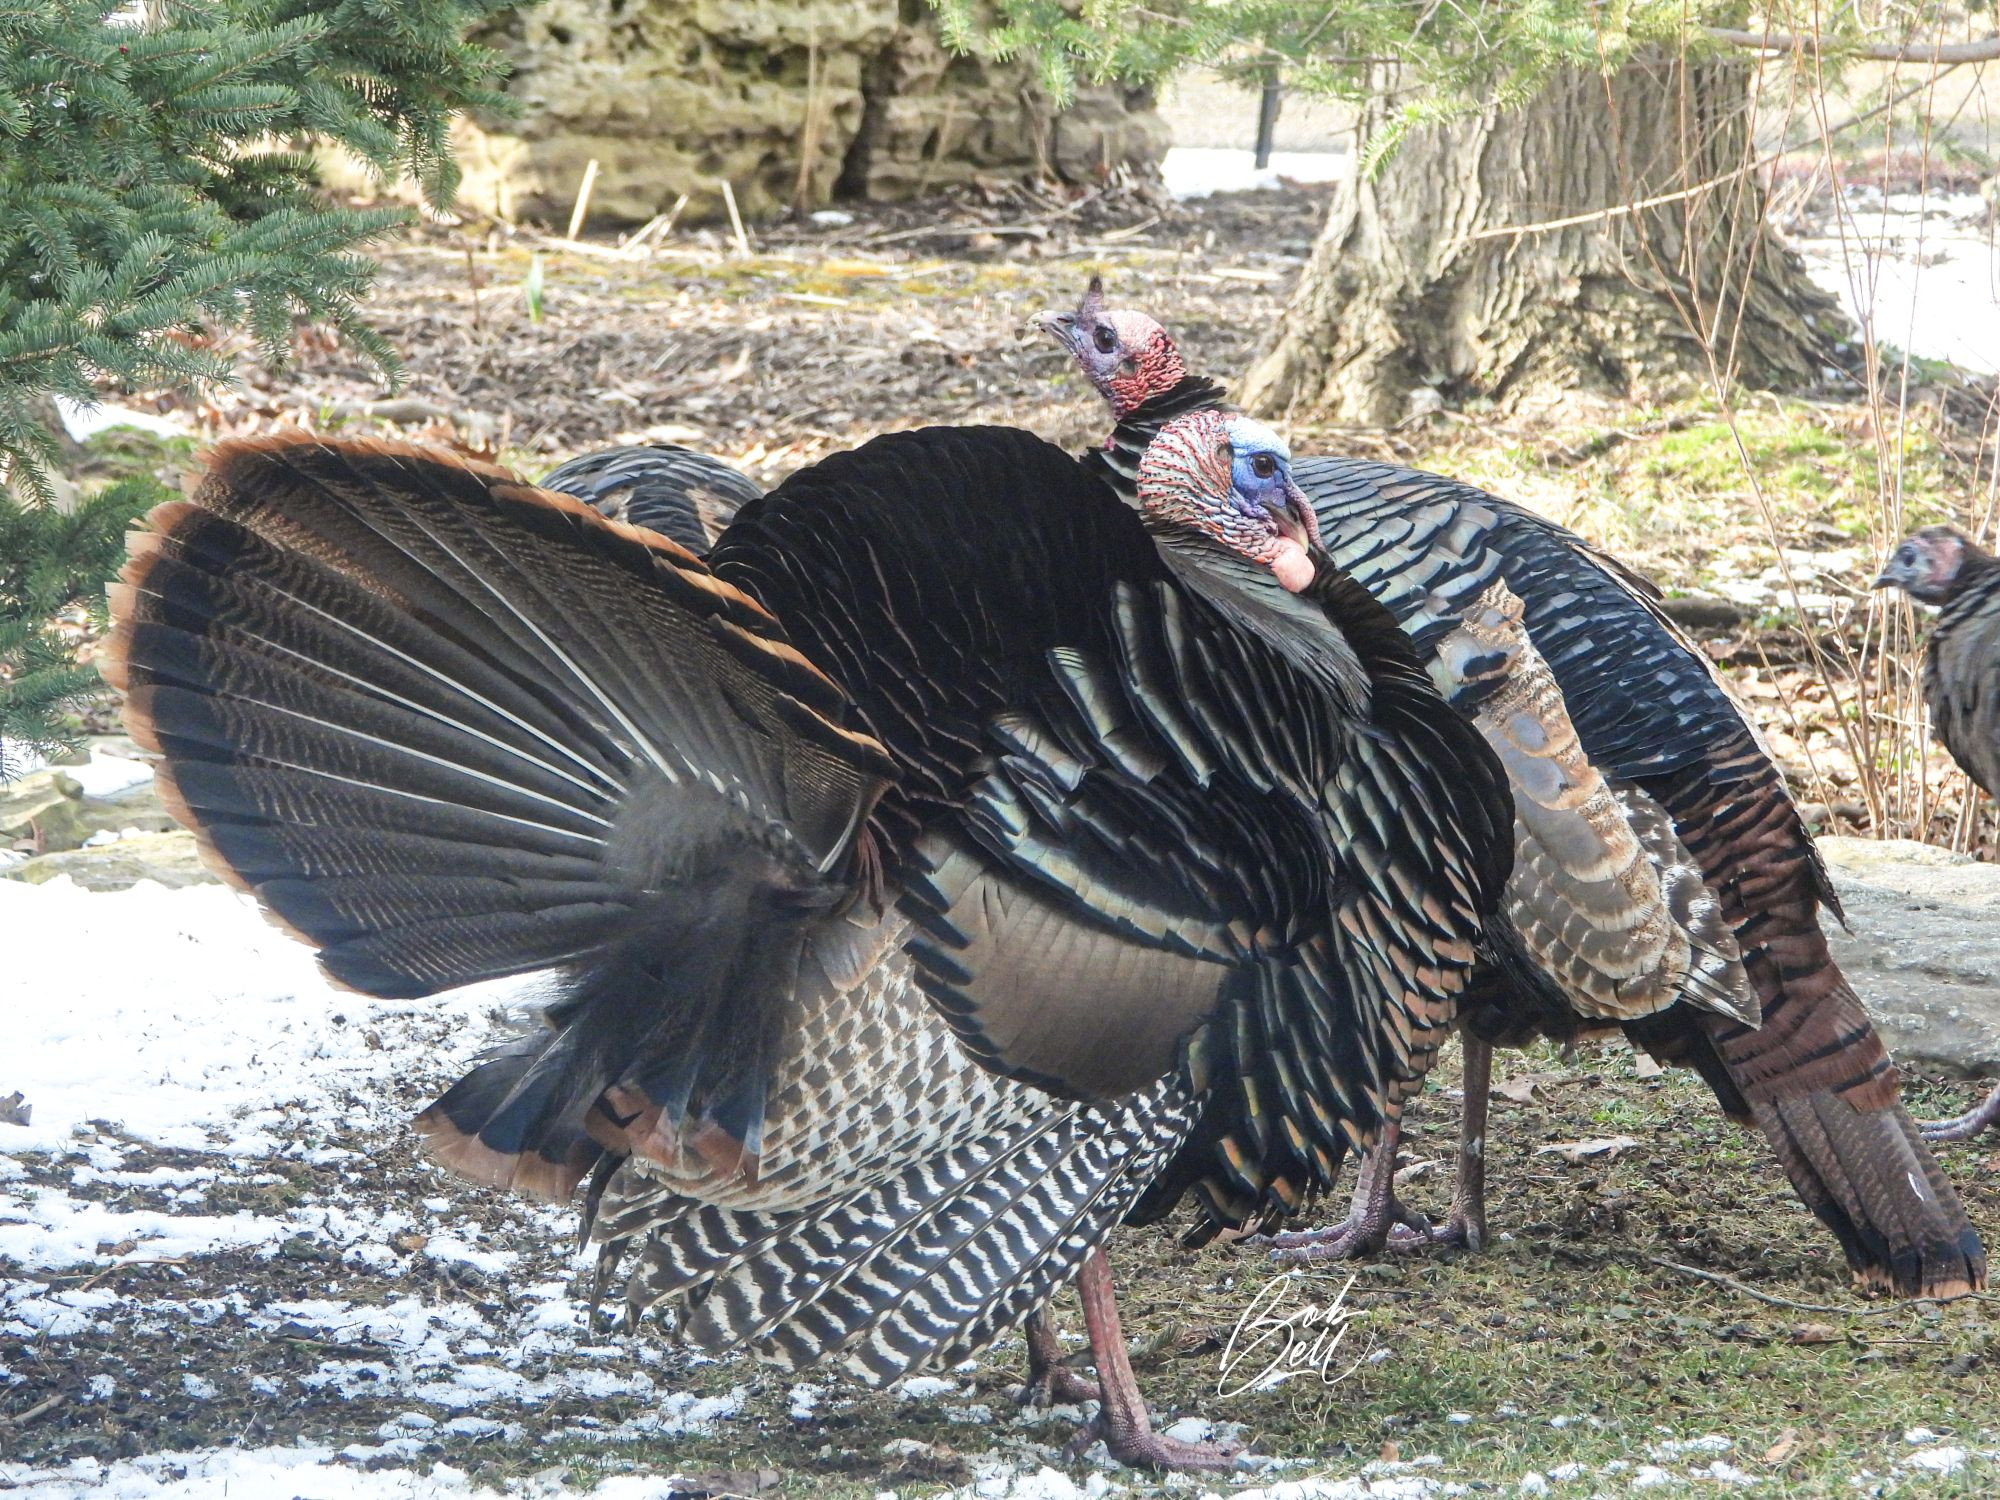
(522, 1171)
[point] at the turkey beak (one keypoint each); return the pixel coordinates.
(1061, 325)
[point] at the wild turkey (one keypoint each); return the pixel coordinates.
(1650, 715)
(1940, 565)
(678, 492)
(691, 497)
(1015, 782)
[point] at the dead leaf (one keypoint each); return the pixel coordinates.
(410, 1244)
(1786, 1445)
(1521, 1090)
(1644, 1066)
(1392, 1453)
(14, 1109)
(1606, 1146)
(1815, 1333)
(1417, 1170)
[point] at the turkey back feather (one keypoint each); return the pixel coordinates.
(447, 727)
(678, 492)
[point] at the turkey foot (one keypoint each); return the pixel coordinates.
(1373, 1215)
(1982, 1116)
(1049, 1381)
(1121, 1420)
(1378, 1220)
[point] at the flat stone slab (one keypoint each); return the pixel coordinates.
(1924, 952)
(170, 859)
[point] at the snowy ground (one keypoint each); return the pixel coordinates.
(1199, 171)
(1920, 270)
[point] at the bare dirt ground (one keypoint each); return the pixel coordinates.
(402, 1323)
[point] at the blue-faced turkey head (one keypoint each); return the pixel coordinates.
(1229, 479)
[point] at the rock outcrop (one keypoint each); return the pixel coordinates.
(788, 103)
(1924, 953)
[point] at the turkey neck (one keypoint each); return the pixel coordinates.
(1975, 589)
(1117, 462)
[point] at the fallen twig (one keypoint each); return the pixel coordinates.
(576, 214)
(130, 1265)
(1814, 1307)
(735, 219)
(35, 1411)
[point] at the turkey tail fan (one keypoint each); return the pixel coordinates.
(449, 727)
(678, 492)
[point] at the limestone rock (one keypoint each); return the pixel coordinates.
(1924, 954)
(49, 811)
(786, 102)
(168, 858)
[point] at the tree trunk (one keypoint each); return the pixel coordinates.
(1398, 298)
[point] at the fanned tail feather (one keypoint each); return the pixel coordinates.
(449, 727)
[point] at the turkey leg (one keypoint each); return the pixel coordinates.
(1982, 1116)
(1466, 1225)
(1122, 1421)
(1050, 1380)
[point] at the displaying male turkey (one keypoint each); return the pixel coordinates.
(678, 492)
(1942, 566)
(691, 496)
(1652, 718)
(954, 866)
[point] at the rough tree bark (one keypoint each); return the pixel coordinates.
(1397, 297)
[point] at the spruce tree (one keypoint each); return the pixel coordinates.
(156, 185)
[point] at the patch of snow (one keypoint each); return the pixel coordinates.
(106, 775)
(1915, 1436)
(46, 1229)
(1924, 271)
(234, 1043)
(926, 1388)
(805, 1400)
(1713, 1442)
(356, 1472)
(1726, 1474)
(83, 421)
(1198, 171)
(1943, 1460)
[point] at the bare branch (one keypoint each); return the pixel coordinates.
(1941, 54)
